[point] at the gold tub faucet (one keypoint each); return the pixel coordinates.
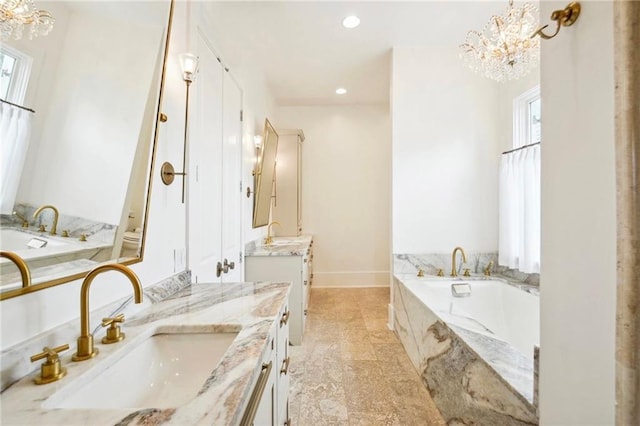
(85, 341)
(54, 225)
(454, 270)
(25, 274)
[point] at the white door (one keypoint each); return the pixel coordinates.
(231, 177)
(205, 174)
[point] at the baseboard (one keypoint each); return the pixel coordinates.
(351, 279)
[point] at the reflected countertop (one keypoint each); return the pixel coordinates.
(251, 307)
(281, 246)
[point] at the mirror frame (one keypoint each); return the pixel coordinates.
(132, 260)
(258, 183)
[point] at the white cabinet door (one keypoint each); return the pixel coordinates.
(205, 177)
(284, 370)
(215, 152)
(266, 414)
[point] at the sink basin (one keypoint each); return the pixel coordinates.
(163, 371)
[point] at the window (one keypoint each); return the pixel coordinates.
(14, 74)
(527, 120)
(519, 215)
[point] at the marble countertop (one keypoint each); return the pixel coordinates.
(282, 246)
(251, 308)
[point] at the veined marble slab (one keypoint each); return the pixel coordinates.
(251, 307)
(460, 368)
(97, 232)
(476, 262)
(282, 246)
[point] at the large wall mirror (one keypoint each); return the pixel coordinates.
(95, 85)
(265, 176)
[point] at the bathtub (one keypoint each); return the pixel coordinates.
(475, 354)
(494, 309)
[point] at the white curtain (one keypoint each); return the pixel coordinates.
(519, 239)
(15, 125)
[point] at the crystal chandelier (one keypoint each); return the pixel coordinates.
(505, 49)
(18, 16)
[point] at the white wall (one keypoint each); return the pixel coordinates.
(578, 276)
(89, 131)
(346, 190)
(445, 153)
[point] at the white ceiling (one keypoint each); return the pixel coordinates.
(305, 53)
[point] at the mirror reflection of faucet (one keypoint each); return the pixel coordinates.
(454, 269)
(487, 269)
(25, 222)
(54, 225)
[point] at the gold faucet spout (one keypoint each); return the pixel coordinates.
(56, 214)
(269, 238)
(454, 270)
(85, 341)
(25, 274)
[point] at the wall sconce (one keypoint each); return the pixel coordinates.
(257, 141)
(564, 18)
(189, 65)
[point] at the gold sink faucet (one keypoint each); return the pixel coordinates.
(85, 341)
(54, 225)
(269, 240)
(454, 270)
(25, 274)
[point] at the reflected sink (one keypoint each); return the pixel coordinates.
(163, 371)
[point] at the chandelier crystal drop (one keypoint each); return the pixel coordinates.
(22, 17)
(504, 50)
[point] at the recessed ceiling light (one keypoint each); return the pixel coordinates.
(351, 21)
(341, 91)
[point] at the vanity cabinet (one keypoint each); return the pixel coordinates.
(273, 408)
(282, 365)
(287, 206)
(295, 267)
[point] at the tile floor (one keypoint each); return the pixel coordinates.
(351, 370)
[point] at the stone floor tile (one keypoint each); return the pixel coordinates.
(351, 370)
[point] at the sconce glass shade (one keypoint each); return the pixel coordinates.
(189, 65)
(257, 140)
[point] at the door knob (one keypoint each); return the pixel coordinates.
(219, 269)
(226, 266)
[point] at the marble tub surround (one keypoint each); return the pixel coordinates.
(96, 232)
(472, 378)
(281, 246)
(15, 362)
(476, 262)
(251, 308)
